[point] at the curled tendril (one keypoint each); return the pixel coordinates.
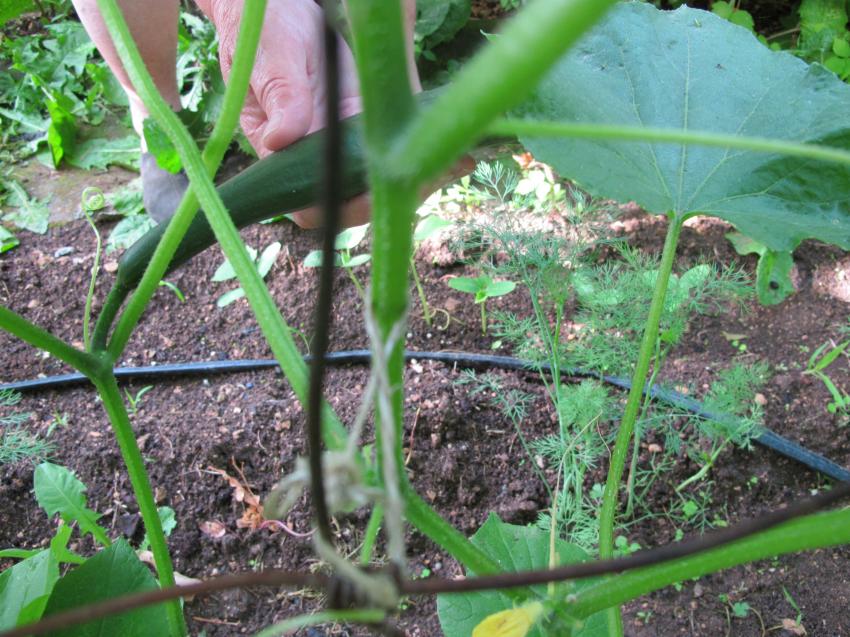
(92, 199)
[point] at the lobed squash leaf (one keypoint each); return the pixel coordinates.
(691, 70)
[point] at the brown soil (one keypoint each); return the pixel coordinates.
(464, 457)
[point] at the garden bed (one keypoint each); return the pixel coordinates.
(464, 456)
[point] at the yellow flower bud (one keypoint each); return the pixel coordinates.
(515, 622)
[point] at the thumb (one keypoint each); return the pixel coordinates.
(288, 105)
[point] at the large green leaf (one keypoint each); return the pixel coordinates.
(24, 589)
(691, 70)
(111, 573)
(515, 548)
(57, 490)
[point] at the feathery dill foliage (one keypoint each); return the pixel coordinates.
(732, 394)
(612, 305)
(16, 443)
(605, 307)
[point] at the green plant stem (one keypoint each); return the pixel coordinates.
(88, 364)
(274, 328)
(359, 286)
(111, 306)
(237, 88)
(531, 128)
(500, 77)
(624, 434)
(699, 475)
(483, 318)
(630, 481)
(94, 268)
(426, 309)
(371, 534)
(424, 518)
(107, 387)
(815, 531)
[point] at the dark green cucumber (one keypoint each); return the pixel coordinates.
(283, 182)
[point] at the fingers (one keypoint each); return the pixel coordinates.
(286, 99)
(355, 212)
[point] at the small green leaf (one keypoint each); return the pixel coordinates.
(225, 271)
(59, 546)
(740, 609)
(168, 519)
(500, 288)
(350, 238)
(468, 284)
(229, 297)
(357, 259)
(127, 201)
(313, 259)
(127, 231)
(267, 258)
(113, 572)
(57, 490)
(429, 226)
(7, 240)
(32, 213)
(841, 47)
(743, 19)
(723, 9)
(25, 588)
(160, 146)
(62, 132)
(827, 360)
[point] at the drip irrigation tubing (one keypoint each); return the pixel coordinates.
(765, 437)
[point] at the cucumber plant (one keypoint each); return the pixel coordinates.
(344, 243)
(593, 101)
(482, 287)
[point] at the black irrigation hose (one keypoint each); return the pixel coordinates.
(766, 437)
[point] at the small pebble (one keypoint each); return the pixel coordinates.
(760, 399)
(63, 251)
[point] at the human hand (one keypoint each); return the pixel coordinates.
(287, 98)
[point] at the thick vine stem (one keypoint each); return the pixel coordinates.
(107, 387)
(627, 424)
(84, 362)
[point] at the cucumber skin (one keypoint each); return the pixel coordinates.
(285, 181)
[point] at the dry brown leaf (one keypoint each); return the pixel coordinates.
(793, 627)
(213, 529)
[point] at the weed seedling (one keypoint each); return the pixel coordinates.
(818, 362)
(177, 291)
(345, 242)
(263, 263)
(135, 400)
(482, 288)
(430, 225)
